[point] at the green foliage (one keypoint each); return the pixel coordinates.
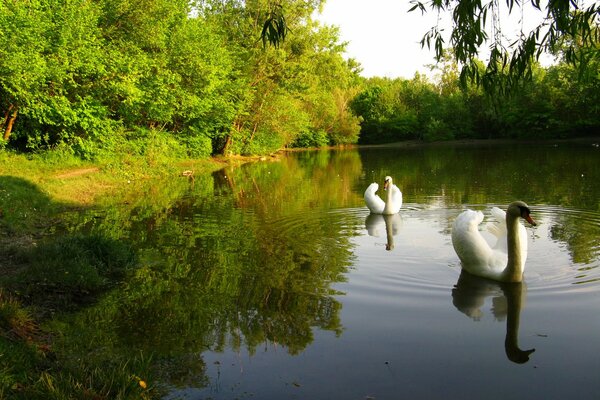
(275, 28)
(91, 79)
(91, 75)
(310, 139)
(436, 130)
(292, 87)
(554, 103)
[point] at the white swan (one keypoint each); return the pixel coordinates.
(393, 198)
(505, 261)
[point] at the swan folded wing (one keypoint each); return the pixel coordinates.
(373, 201)
(396, 198)
(470, 246)
(498, 228)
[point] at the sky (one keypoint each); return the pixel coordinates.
(384, 37)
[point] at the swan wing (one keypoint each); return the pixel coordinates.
(476, 255)
(372, 200)
(498, 229)
(396, 199)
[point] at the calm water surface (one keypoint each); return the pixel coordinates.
(272, 281)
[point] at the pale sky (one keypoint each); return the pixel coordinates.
(384, 37)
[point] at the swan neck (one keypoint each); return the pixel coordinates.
(514, 268)
(388, 196)
(388, 200)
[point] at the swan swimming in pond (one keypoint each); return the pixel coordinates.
(505, 262)
(393, 198)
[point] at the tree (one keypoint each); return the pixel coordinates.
(510, 62)
(50, 59)
(565, 22)
(294, 92)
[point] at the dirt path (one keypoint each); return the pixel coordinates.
(77, 172)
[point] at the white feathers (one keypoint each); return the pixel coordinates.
(481, 259)
(393, 198)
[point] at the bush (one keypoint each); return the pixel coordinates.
(311, 138)
(198, 144)
(436, 129)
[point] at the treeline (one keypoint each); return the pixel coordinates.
(193, 79)
(187, 76)
(557, 102)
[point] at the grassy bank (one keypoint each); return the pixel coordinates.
(43, 274)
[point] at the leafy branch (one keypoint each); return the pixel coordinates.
(565, 24)
(275, 27)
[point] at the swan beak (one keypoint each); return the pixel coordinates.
(530, 220)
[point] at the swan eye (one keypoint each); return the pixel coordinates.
(525, 214)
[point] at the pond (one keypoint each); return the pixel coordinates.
(273, 281)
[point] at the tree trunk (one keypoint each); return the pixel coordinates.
(9, 121)
(227, 145)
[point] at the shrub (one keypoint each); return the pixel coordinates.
(311, 138)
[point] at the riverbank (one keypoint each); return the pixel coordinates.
(42, 275)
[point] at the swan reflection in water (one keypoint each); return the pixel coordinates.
(392, 224)
(469, 295)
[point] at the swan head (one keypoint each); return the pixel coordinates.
(520, 209)
(387, 182)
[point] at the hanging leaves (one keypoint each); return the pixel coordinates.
(275, 27)
(567, 26)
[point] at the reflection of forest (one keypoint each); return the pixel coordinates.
(248, 255)
(564, 174)
(226, 260)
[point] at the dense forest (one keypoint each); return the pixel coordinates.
(193, 79)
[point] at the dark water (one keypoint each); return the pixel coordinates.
(272, 281)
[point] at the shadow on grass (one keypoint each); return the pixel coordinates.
(43, 273)
(24, 208)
